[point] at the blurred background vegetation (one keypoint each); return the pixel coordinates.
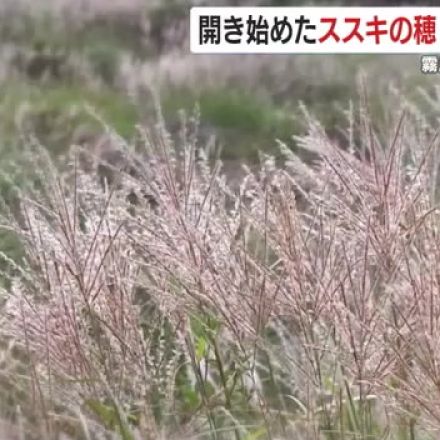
(58, 56)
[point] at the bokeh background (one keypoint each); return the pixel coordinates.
(68, 67)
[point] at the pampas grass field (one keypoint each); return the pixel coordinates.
(193, 248)
(161, 303)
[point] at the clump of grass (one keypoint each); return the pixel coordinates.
(244, 122)
(304, 305)
(53, 112)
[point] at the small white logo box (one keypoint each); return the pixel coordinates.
(296, 30)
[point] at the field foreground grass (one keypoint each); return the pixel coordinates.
(153, 301)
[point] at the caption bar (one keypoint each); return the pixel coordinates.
(240, 30)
